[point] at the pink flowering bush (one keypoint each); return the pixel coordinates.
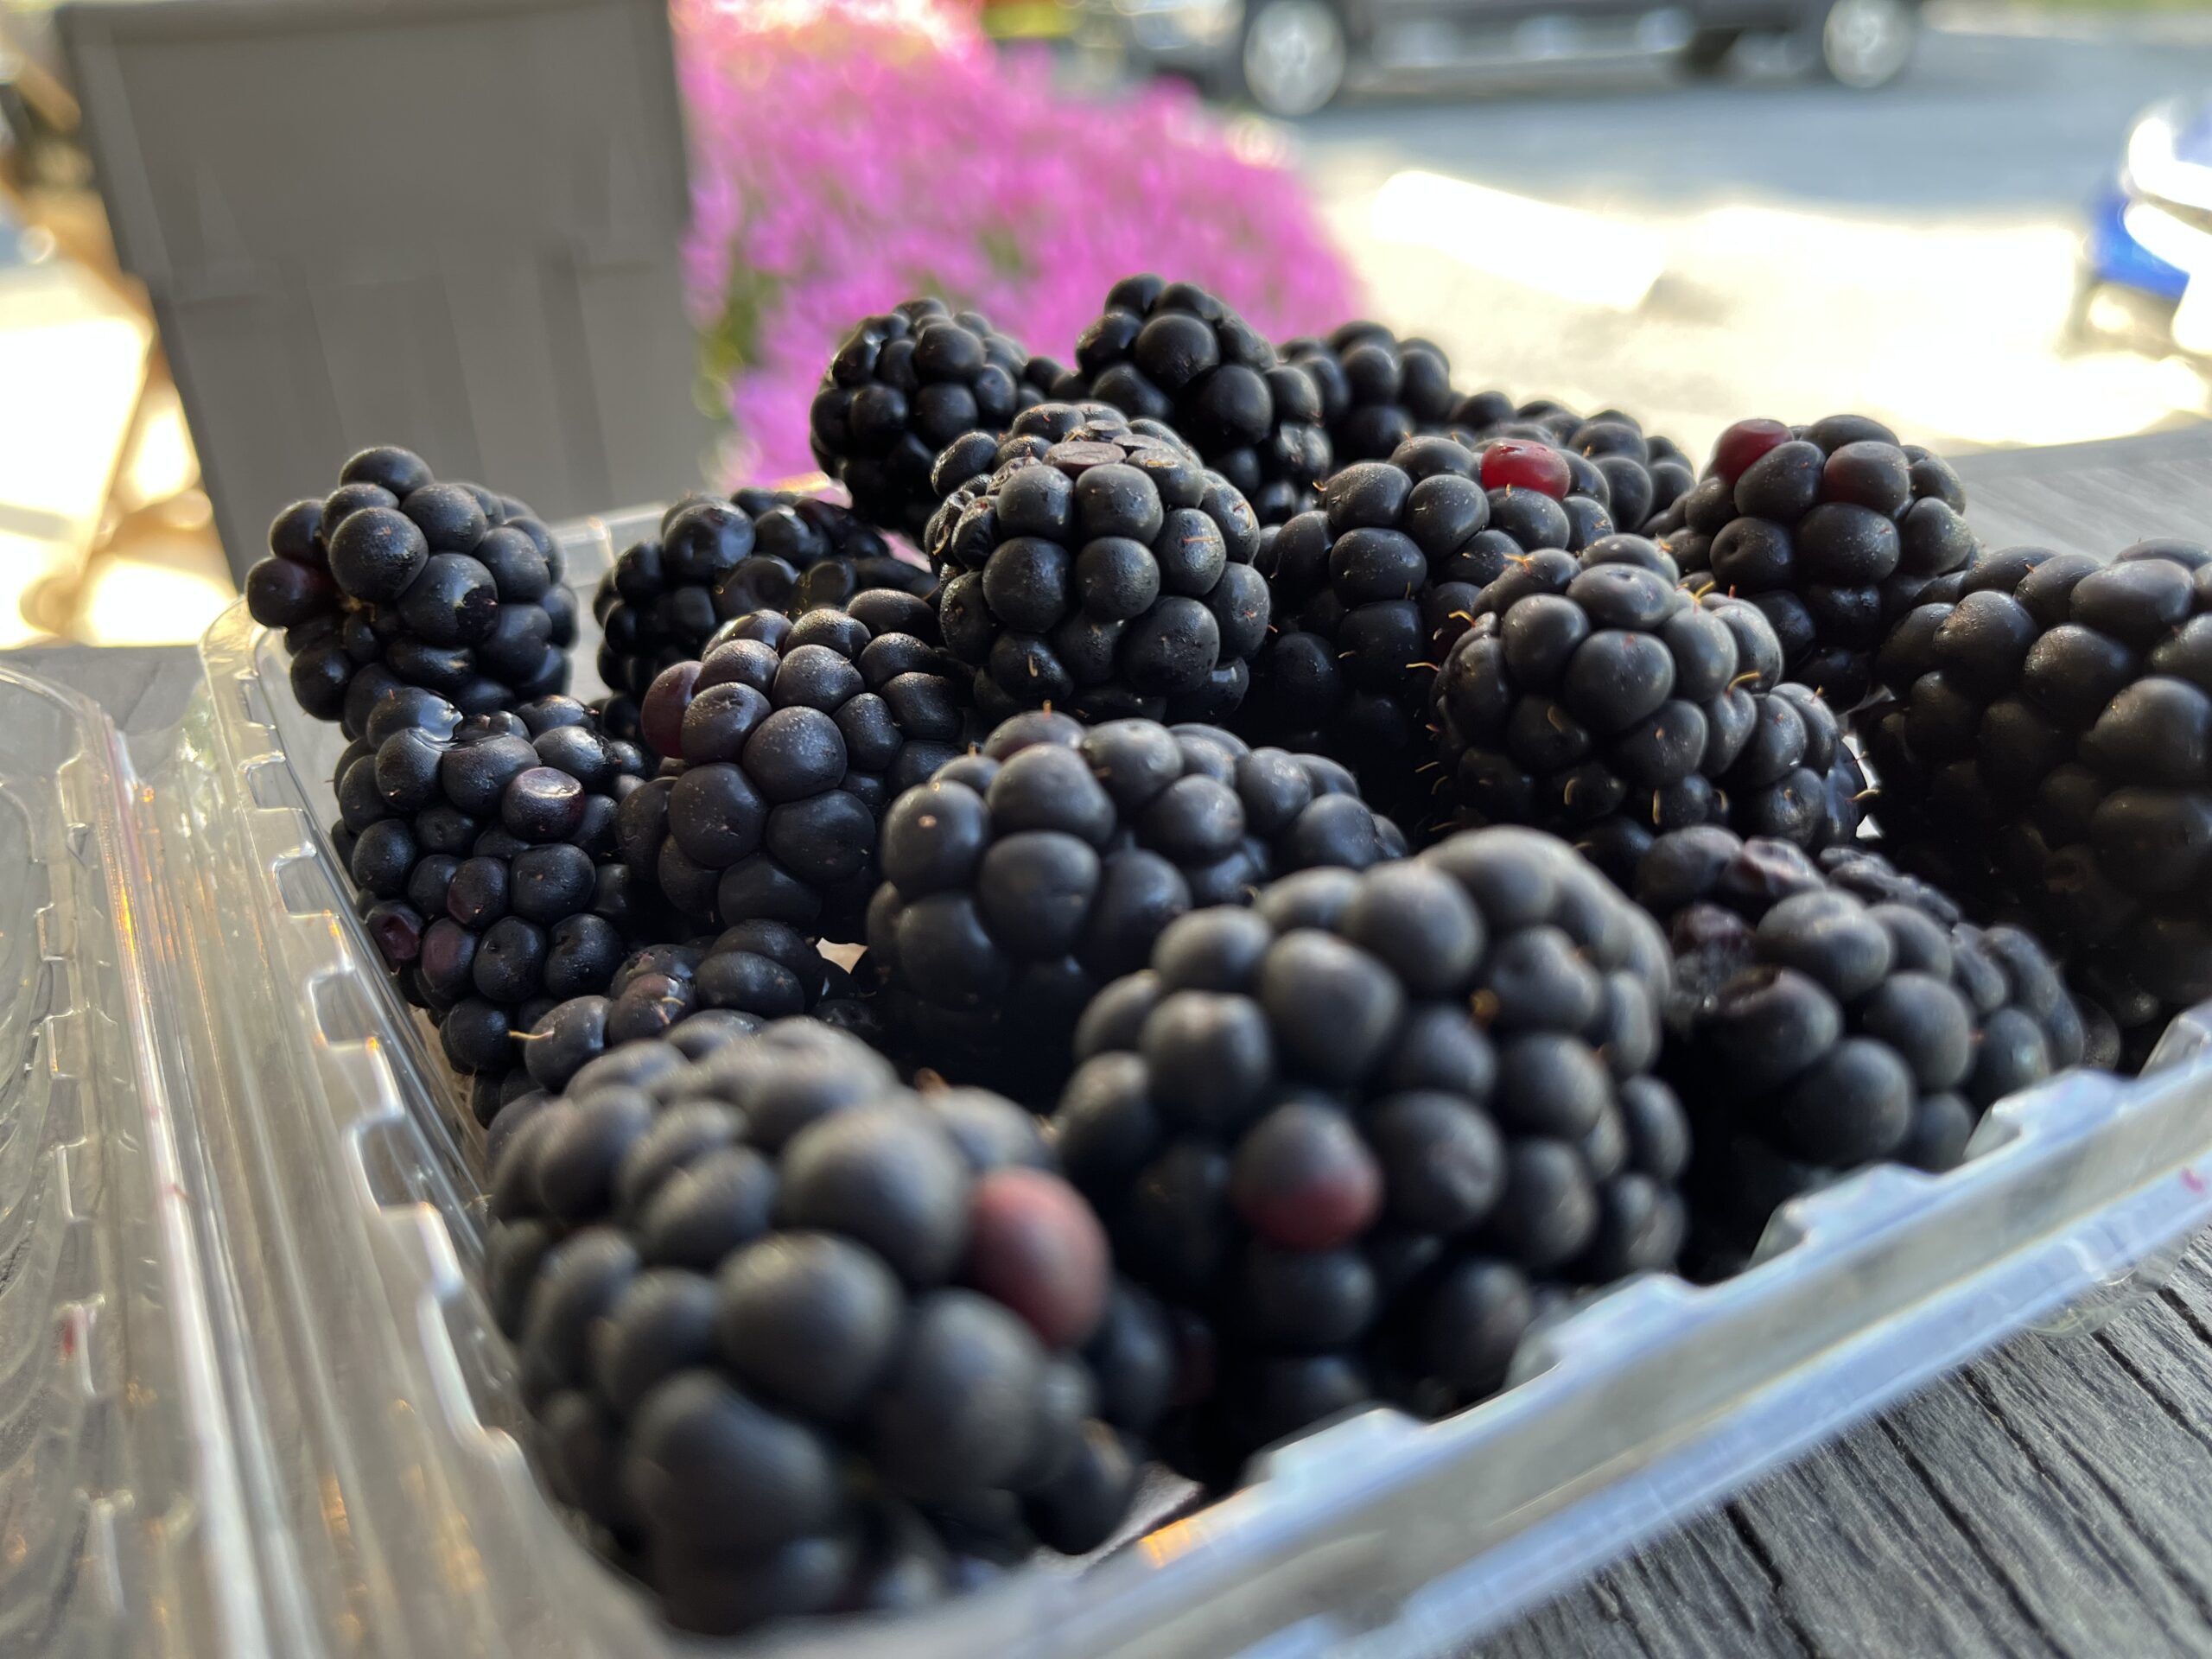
(851, 154)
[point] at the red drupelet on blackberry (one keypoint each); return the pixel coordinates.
(1831, 529)
(1828, 1016)
(901, 387)
(1613, 466)
(798, 1340)
(1024, 877)
(1359, 1131)
(1173, 352)
(1368, 589)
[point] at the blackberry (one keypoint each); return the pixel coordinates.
(2047, 743)
(1362, 1129)
(795, 1338)
(713, 561)
(482, 851)
(1593, 696)
(1613, 465)
(1832, 530)
(740, 979)
(787, 741)
(1171, 351)
(396, 579)
(901, 387)
(1093, 564)
(1825, 1019)
(1367, 590)
(1376, 390)
(1026, 876)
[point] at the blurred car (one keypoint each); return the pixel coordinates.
(1290, 57)
(2146, 259)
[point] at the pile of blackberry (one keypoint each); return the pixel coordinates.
(1832, 530)
(901, 387)
(1364, 1130)
(482, 853)
(1376, 390)
(1368, 589)
(1090, 564)
(1612, 463)
(2048, 747)
(797, 1339)
(1029, 873)
(744, 976)
(1171, 351)
(787, 741)
(396, 579)
(1824, 1019)
(1595, 697)
(713, 561)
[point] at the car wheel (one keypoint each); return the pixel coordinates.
(1294, 56)
(1867, 43)
(1708, 53)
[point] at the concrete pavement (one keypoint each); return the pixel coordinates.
(1910, 252)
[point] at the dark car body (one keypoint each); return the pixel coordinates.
(1212, 40)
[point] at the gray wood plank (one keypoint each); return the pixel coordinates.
(1830, 1527)
(2094, 498)
(2050, 1500)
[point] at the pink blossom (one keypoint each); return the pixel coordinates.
(851, 154)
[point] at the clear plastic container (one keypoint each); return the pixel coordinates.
(333, 1421)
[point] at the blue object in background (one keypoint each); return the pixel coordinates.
(2150, 231)
(2114, 255)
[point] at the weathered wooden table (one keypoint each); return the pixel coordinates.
(2054, 1498)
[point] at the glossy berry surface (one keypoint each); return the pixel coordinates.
(1333, 1127)
(1022, 879)
(902, 386)
(1593, 696)
(732, 984)
(1377, 391)
(2044, 751)
(1367, 591)
(396, 578)
(785, 1322)
(1832, 531)
(714, 560)
(1830, 1014)
(792, 739)
(1173, 353)
(1511, 464)
(487, 861)
(1098, 567)
(1613, 466)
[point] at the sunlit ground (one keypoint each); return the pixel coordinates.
(1954, 331)
(105, 535)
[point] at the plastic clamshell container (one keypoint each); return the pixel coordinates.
(344, 1426)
